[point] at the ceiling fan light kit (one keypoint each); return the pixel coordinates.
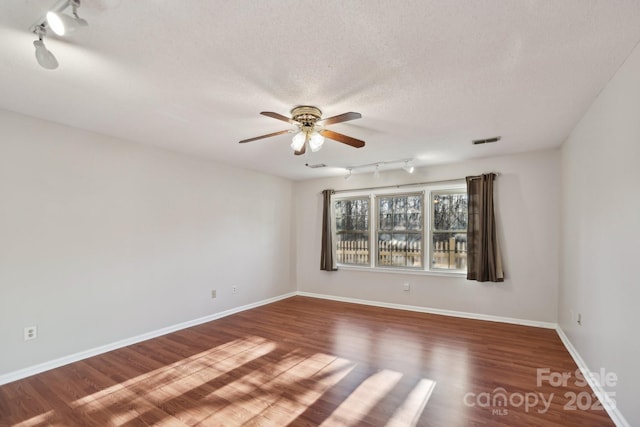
(61, 24)
(315, 141)
(308, 119)
(298, 141)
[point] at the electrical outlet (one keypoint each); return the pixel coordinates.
(234, 289)
(30, 333)
(213, 293)
(406, 287)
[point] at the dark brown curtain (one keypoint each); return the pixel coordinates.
(327, 262)
(484, 263)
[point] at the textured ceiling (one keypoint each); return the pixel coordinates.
(427, 76)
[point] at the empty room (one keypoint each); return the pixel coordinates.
(319, 213)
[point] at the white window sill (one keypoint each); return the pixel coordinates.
(441, 273)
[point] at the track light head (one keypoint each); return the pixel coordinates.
(376, 173)
(408, 168)
(45, 58)
(63, 24)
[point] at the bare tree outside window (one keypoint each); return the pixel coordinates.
(449, 231)
(352, 231)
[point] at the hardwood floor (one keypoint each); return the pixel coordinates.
(310, 362)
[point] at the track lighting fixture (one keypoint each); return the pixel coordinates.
(60, 24)
(409, 168)
(45, 58)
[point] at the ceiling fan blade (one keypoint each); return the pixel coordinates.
(357, 143)
(265, 136)
(301, 151)
(279, 117)
(340, 118)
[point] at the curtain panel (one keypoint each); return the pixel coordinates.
(484, 263)
(327, 260)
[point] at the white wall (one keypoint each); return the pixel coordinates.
(102, 240)
(601, 235)
(527, 208)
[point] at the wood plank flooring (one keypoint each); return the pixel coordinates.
(311, 362)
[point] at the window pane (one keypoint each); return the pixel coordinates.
(385, 205)
(449, 239)
(352, 231)
(386, 221)
(399, 204)
(414, 204)
(399, 221)
(449, 251)
(400, 231)
(414, 221)
(450, 211)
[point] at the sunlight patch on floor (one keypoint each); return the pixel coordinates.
(127, 400)
(246, 381)
(363, 399)
(285, 396)
(38, 420)
(409, 412)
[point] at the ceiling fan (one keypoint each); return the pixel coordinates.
(309, 122)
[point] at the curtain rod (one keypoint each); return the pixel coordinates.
(410, 185)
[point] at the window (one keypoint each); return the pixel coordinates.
(400, 230)
(423, 230)
(449, 230)
(352, 231)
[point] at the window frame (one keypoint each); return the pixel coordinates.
(427, 191)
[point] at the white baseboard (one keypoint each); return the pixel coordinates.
(65, 360)
(600, 393)
(463, 314)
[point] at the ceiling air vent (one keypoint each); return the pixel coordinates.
(486, 140)
(316, 166)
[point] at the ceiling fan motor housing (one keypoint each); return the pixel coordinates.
(306, 115)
